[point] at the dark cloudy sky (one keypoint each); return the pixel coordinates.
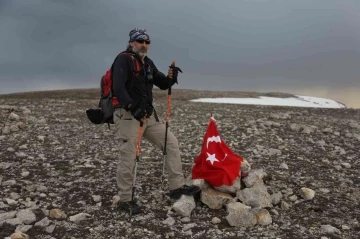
(259, 45)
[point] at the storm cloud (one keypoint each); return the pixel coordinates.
(220, 45)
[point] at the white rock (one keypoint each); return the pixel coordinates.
(201, 183)
(41, 121)
(293, 198)
(26, 111)
(96, 198)
(24, 146)
(169, 221)
(276, 198)
(13, 116)
(43, 195)
(14, 196)
(307, 193)
(20, 154)
(11, 202)
(284, 166)
(345, 227)
(346, 165)
(79, 217)
(284, 205)
(245, 168)
(328, 229)
(189, 226)
(185, 219)
(9, 183)
(324, 190)
(215, 220)
(41, 138)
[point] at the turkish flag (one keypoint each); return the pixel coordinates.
(216, 164)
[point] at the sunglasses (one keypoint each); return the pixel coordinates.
(141, 41)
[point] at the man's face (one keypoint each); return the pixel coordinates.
(141, 46)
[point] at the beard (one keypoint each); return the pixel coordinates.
(142, 52)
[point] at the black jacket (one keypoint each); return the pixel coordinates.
(128, 88)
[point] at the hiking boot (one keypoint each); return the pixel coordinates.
(184, 190)
(130, 208)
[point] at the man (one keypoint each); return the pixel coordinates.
(134, 75)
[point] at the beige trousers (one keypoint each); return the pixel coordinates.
(126, 133)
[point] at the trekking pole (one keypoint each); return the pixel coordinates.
(136, 164)
(175, 73)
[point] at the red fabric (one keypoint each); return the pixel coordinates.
(216, 164)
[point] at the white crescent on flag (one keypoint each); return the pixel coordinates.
(213, 139)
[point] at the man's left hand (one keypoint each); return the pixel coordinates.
(170, 71)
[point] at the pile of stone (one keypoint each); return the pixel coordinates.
(247, 201)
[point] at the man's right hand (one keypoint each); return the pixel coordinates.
(138, 111)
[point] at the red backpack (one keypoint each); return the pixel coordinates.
(104, 114)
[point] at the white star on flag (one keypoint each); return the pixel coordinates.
(211, 158)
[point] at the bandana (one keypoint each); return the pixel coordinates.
(138, 33)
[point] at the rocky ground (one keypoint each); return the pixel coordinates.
(57, 171)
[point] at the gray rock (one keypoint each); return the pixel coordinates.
(230, 189)
(23, 228)
(43, 223)
(284, 205)
(276, 198)
(14, 196)
(256, 196)
(26, 216)
(184, 206)
(7, 215)
(14, 221)
(263, 217)
(50, 228)
(6, 130)
(214, 199)
(14, 128)
(240, 215)
(253, 177)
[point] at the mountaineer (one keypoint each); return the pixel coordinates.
(134, 75)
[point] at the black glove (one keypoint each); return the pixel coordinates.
(175, 73)
(138, 110)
